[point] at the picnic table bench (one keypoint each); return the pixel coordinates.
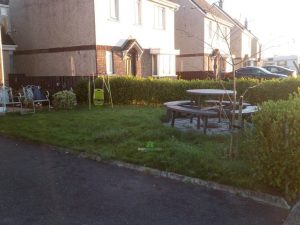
(244, 113)
(192, 112)
(226, 103)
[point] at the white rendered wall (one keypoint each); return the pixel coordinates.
(115, 33)
(246, 45)
(218, 39)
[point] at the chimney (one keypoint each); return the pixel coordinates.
(246, 23)
(221, 3)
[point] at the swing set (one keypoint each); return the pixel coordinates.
(99, 93)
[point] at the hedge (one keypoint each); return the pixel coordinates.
(130, 90)
(275, 151)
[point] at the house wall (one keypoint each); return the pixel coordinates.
(197, 36)
(255, 52)
(216, 38)
(7, 64)
(236, 42)
(71, 63)
(51, 34)
(246, 45)
(189, 36)
(125, 27)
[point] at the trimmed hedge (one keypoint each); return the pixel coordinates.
(275, 152)
(130, 90)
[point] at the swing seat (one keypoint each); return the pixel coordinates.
(98, 97)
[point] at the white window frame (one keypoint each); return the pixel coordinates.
(210, 27)
(109, 62)
(138, 12)
(114, 9)
(159, 17)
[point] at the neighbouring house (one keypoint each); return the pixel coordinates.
(210, 40)
(203, 36)
(244, 45)
(81, 37)
(292, 62)
(8, 45)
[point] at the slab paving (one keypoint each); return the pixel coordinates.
(214, 127)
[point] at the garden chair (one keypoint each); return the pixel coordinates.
(36, 96)
(7, 98)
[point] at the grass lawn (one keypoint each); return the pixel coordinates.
(119, 133)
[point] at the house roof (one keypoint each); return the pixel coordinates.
(6, 38)
(235, 21)
(209, 9)
(4, 2)
(132, 44)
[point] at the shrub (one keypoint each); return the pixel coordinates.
(147, 91)
(64, 100)
(130, 90)
(273, 90)
(276, 156)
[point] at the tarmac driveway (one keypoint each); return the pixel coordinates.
(39, 186)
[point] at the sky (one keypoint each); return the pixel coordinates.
(275, 23)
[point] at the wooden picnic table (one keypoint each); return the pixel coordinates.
(219, 93)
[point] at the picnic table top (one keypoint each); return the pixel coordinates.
(210, 92)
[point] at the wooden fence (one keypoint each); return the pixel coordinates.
(51, 83)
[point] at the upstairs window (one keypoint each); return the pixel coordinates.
(210, 29)
(109, 62)
(138, 12)
(159, 17)
(114, 9)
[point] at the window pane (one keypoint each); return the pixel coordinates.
(114, 9)
(109, 62)
(159, 17)
(210, 29)
(138, 12)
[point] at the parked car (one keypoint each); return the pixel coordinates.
(281, 70)
(257, 72)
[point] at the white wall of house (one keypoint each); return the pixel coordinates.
(255, 52)
(150, 22)
(216, 36)
(246, 44)
(115, 31)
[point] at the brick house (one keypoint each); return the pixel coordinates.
(209, 39)
(245, 46)
(76, 37)
(201, 33)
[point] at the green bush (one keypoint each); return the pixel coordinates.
(147, 91)
(81, 91)
(276, 150)
(272, 90)
(130, 90)
(64, 100)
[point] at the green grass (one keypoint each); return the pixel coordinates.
(118, 134)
